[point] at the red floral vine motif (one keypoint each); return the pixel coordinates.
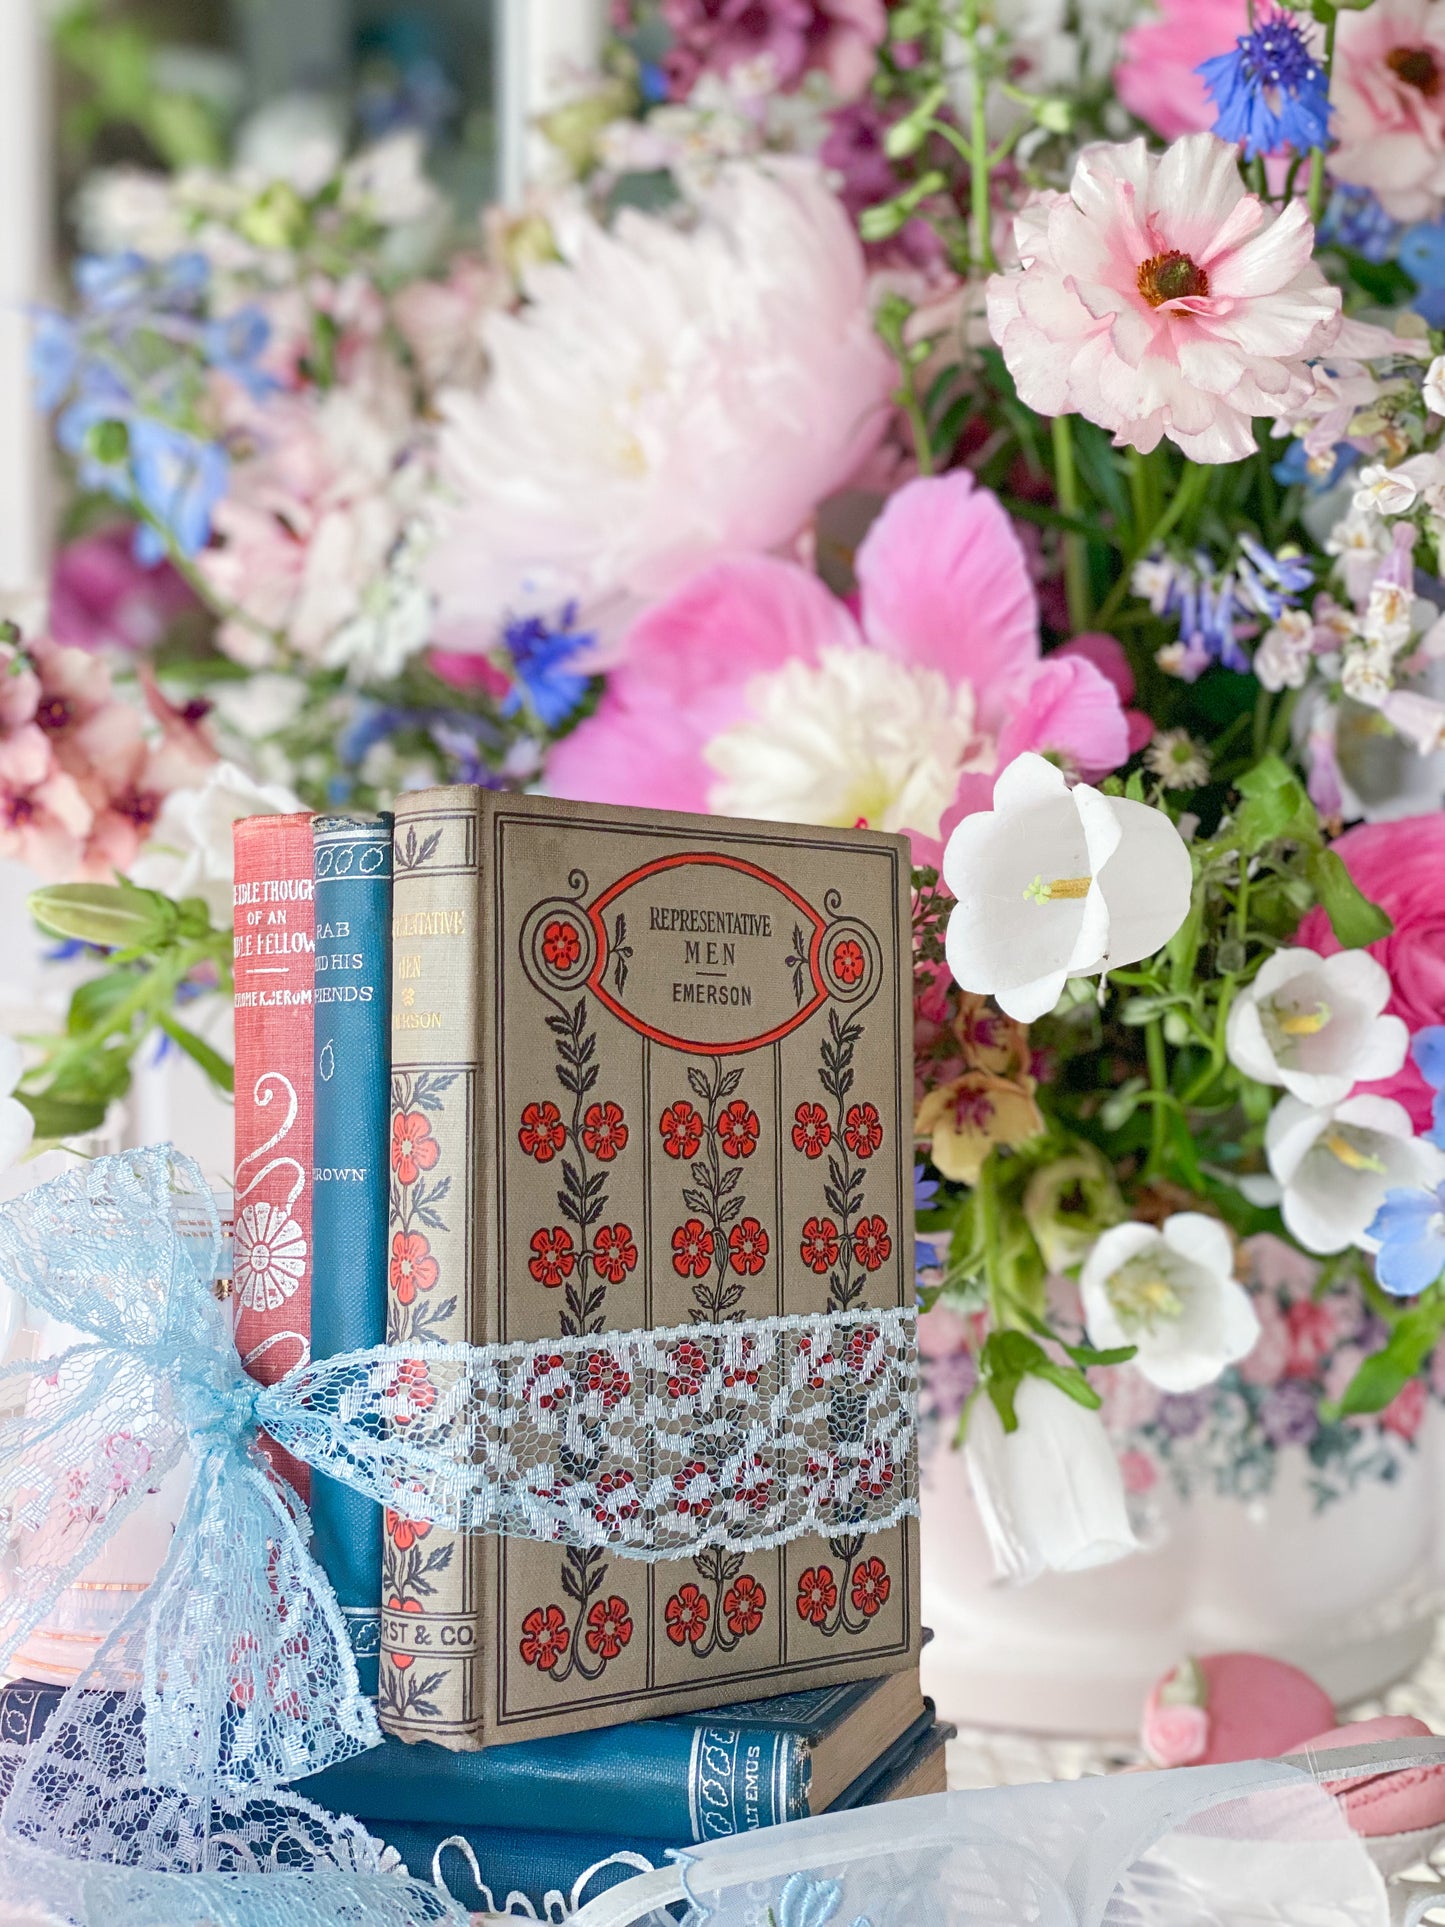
(728, 1606)
(716, 1246)
(848, 961)
(597, 1130)
(418, 1103)
(872, 1245)
(605, 1382)
(812, 1133)
(599, 1629)
(413, 1391)
(819, 1249)
(854, 1126)
(542, 1134)
(561, 945)
(863, 1130)
(617, 1499)
(554, 1256)
(845, 1601)
(404, 1533)
(413, 1268)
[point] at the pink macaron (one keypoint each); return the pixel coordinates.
(1232, 1706)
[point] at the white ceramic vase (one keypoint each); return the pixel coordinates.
(1348, 1593)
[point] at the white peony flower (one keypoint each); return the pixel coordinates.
(1050, 1494)
(667, 395)
(856, 736)
(1053, 883)
(1336, 1163)
(1317, 1025)
(1172, 1292)
(189, 853)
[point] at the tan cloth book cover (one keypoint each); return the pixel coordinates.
(647, 1070)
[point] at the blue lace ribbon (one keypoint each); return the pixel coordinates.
(653, 1444)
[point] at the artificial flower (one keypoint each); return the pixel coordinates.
(1399, 866)
(1157, 77)
(667, 395)
(1053, 883)
(1050, 1493)
(964, 1119)
(1316, 1025)
(1409, 1229)
(1271, 93)
(1390, 105)
(1336, 1162)
(1172, 1294)
(1159, 297)
(190, 851)
(754, 691)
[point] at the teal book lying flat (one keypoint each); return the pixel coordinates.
(685, 1779)
(481, 1867)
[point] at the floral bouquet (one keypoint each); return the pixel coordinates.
(1018, 427)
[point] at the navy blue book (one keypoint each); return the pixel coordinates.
(691, 1777)
(349, 1194)
(521, 1860)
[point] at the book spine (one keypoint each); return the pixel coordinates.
(25, 1710)
(274, 957)
(349, 1208)
(429, 1686)
(671, 1782)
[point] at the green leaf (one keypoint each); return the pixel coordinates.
(199, 1051)
(1386, 1372)
(1353, 918)
(93, 1001)
(1088, 1357)
(57, 1117)
(117, 916)
(1276, 805)
(1070, 1381)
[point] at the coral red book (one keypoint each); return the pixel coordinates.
(275, 946)
(648, 1071)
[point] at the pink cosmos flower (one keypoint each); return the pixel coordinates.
(755, 692)
(1158, 297)
(1389, 99)
(794, 37)
(1156, 78)
(1399, 865)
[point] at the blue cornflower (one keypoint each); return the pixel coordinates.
(1428, 1051)
(1410, 1226)
(1354, 219)
(1271, 93)
(235, 345)
(543, 659)
(178, 480)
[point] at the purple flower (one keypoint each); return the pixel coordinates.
(1289, 1414)
(1182, 1413)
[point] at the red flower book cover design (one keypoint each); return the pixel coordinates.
(274, 967)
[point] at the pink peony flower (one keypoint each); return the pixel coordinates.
(755, 692)
(1158, 297)
(785, 38)
(1399, 865)
(1389, 101)
(101, 597)
(1156, 78)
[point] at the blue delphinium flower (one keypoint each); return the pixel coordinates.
(1294, 466)
(1271, 93)
(1422, 255)
(1355, 220)
(178, 480)
(1410, 1226)
(925, 1193)
(544, 658)
(1428, 1051)
(1270, 583)
(234, 345)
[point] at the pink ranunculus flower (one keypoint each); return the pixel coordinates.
(1400, 866)
(1156, 76)
(1159, 297)
(754, 691)
(1389, 102)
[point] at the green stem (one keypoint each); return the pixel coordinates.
(1317, 154)
(1076, 559)
(986, 1193)
(1158, 1063)
(980, 206)
(1195, 481)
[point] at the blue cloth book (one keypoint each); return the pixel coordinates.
(349, 1196)
(688, 1778)
(481, 1867)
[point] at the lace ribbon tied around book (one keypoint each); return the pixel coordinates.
(233, 1674)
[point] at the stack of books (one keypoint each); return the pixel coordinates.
(509, 1068)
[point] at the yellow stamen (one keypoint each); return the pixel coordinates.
(1062, 887)
(1305, 1023)
(1351, 1156)
(1143, 1296)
